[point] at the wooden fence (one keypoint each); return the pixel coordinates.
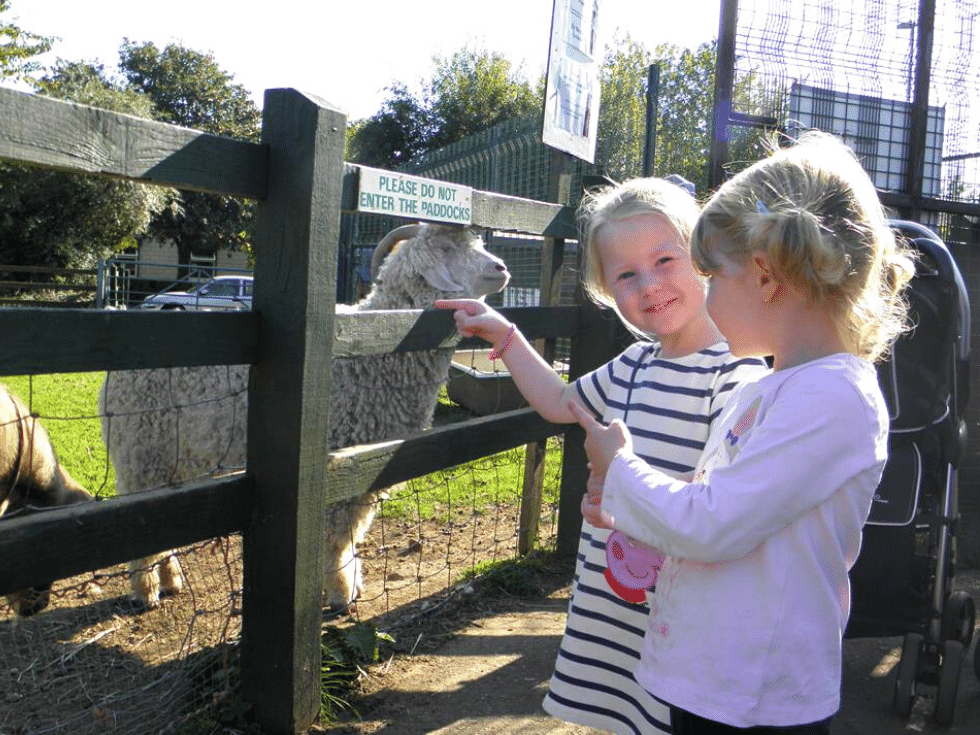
(298, 175)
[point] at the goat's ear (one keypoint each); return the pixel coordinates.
(441, 279)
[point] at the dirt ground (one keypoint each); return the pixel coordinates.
(468, 658)
(146, 672)
(490, 673)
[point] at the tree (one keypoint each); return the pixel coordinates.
(470, 91)
(685, 100)
(395, 134)
(622, 109)
(687, 80)
(18, 49)
(58, 219)
(190, 89)
(475, 90)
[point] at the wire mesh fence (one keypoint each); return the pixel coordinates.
(98, 661)
(850, 68)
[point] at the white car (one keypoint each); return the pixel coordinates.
(220, 293)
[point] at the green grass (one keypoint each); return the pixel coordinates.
(483, 483)
(67, 404)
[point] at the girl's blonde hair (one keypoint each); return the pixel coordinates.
(815, 213)
(612, 203)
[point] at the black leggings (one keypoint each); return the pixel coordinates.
(685, 723)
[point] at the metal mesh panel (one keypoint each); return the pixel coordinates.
(849, 68)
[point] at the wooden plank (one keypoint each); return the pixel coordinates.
(376, 332)
(355, 470)
(87, 140)
(62, 542)
(82, 340)
(404, 330)
(513, 214)
(289, 398)
(45, 340)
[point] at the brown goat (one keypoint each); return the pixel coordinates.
(30, 475)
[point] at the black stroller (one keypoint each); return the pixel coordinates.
(902, 581)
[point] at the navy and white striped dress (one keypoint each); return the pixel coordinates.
(668, 406)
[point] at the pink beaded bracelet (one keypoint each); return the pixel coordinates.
(495, 353)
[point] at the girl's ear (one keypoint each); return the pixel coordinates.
(770, 288)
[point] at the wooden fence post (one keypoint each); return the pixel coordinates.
(535, 455)
(552, 257)
(289, 398)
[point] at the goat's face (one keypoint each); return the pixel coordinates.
(457, 262)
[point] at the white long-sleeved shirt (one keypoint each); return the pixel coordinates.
(752, 601)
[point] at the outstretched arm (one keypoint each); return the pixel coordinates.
(547, 393)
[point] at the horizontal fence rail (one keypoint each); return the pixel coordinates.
(39, 341)
(62, 542)
(351, 471)
(81, 340)
(87, 140)
(46, 544)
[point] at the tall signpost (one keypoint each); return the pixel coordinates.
(571, 121)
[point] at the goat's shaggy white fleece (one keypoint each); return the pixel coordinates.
(171, 425)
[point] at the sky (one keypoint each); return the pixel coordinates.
(345, 55)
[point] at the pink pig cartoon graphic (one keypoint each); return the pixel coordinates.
(631, 567)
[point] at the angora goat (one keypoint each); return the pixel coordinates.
(30, 475)
(170, 425)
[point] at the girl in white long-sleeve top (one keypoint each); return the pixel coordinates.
(746, 625)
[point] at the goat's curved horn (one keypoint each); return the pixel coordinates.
(388, 242)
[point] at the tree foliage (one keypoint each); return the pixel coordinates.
(395, 134)
(18, 49)
(622, 109)
(470, 91)
(684, 110)
(55, 218)
(188, 88)
(59, 219)
(475, 90)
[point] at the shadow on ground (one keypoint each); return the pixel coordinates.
(490, 673)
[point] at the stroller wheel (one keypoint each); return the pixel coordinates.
(976, 660)
(908, 666)
(959, 616)
(949, 681)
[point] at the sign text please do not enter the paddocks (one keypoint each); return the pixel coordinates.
(401, 195)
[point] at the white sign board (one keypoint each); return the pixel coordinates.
(571, 106)
(387, 192)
